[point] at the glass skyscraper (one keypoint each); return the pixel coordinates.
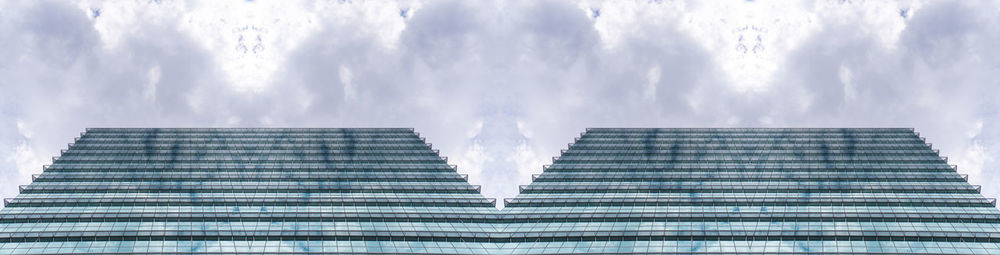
(249, 191)
(386, 191)
(754, 191)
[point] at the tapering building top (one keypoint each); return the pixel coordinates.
(246, 190)
(755, 191)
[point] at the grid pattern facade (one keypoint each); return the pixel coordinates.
(211, 191)
(752, 191)
(386, 191)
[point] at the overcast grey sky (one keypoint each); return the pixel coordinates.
(499, 86)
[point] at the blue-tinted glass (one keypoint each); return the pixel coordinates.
(246, 190)
(753, 191)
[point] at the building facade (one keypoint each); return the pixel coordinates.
(754, 191)
(386, 191)
(287, 191)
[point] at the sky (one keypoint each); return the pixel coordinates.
(502, 86)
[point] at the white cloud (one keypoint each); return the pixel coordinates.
(499, 86)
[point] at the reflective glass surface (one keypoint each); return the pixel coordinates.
(752, 191)
(186, 191)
